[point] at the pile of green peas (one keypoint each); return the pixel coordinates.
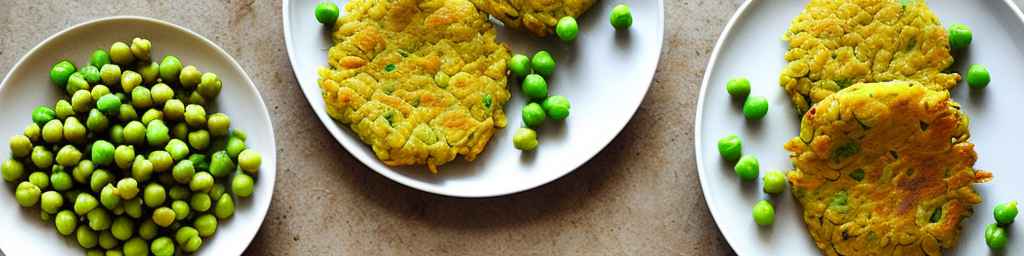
(149, 171)
(540, 106)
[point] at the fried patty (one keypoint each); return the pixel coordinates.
(539, 17)
(837, 43)
(420, 81)
(884, 168)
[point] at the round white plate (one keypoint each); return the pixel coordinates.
(28, 85)
(751, 46)
(604, 74)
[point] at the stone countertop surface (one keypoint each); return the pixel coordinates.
(639, 196)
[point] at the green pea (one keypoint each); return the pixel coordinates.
(764, 213)
(192, 245)
(441, 79)
(33, 132)
(556, 107)
(51, 201)
(184, 233)
(218, 124)
(27, 194)
(121, 54)
(99, 219)
(250, 161)
(127, 188)
(68, 156)
(129, 80)
(977, 76)
(124, 155)
(126, 113)
(20, 145)
(200, 161)
(519, 65)
(43, 114)
(1005, 213)
(216, 191)
(148, 229)
(157, 134)
(170, 68)
(209, 86)
(135, 247)
(162, 246)
(134, 133)
(543, 64)
(86, 237)
(235, 146)
(161, 93)
(174, 110)
(195, 115)
(117, 134)
(534, 87)
(959, 36)
(66, 222)
(326, 13)
(142, 168)
(225, 207)
(200, 202)
(91, 74)
(163, 216)
(183, 171)
(221, 164)
(133, 207)
(102, 152)
(195, 98)
(109, 198)
(201, 182)
(177, 148)
(12, 170)
(110, 74)
(40, 179)
(107, 240)
(74, 131)
(242, 185)
(53, 131)
(774, 182)
(141, 98)
(730, 147)
(60, 72)
(154, 195)
(140, 48)
(180, 209)
(190, 77)
(566, 29)
(747, 168)
(82, 173)
(76, 82)
(199, 140)
(99, 58)
(122, 228)
(97, 122)
(533, 115)
(162, 161)
(179, 192)
(995, 236)
(63, 109)
(61, 180)
(621, 17)
(99, 178)
(41, 157)
(98, 91)
(109, 104)
(84, 203)
(738, 87)
(206, 224)
(755, 107)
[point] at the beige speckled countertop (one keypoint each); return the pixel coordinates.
(639, 196)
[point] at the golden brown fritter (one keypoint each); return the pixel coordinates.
(420, 81)
(837, 43)
(884, 168)
(537, 16)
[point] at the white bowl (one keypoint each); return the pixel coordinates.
(603, 73)
(28, 86)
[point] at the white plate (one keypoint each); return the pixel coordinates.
(604, 74)
(28, 85)
(751, 46)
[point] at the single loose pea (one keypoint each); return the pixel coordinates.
(20, 145)
(97, 121)
(98, 219)
(977, 76)
(764, 213)
(84, 203)
(27, 194)
(1005, 213)
(995, 236)
(221, 164)
(730, 147)
(74, 131)
(206, 224)
(174, 110)
(183, 171)
(110, 74)
(543, 64)
(98, 179)
(99, 58)
(33, 132)
(157, 134)
(747, 168)
(161, 93)
(12, 170)
(959, 36)
(40, 179)
(142, 168)
(41, 157)
(774, 182)
(61, 180)
(60, 72)
(195, 115)
(140, 48)
(249, 160)
(755, 107)
(82, 173)
(129, 80)
(102, 152)
(242, 184)
(134, 133)
(162, 161)
(235, 146)
(150, 115)
(525, 139)
(162, 246)
(326, 13)
(209, 86)
(738, 87)
(200, 202)
(201, 182)
(98, 91)
(127, 188)
(154, 195)
(556, 107)
(121, 54)
(68, 156)
(109, 104)
(218, 124)
(43, 114)
(63, 109)
(51, 201)
(163, 216)
(135, 247)
(66, 222)
(180, 209)
(109, 198)
(519, 65)
(225, 207)
(124, 155)
(141, 98)
(567, 29)
(533, 115)
(190, 77)
(621, 17)
(170, 68)
(91, 74)
(199, 140)
(535, 87)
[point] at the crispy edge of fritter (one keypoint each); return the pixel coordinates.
(538, 17)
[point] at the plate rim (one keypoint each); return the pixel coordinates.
(393, 174)
(261, 211)
(741, 12)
